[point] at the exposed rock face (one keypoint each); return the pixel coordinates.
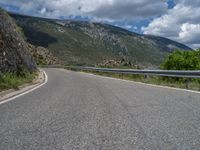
(116, 64)
(14, 53)
(43, 56)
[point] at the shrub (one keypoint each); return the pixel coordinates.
(13, 80)
(182, 60)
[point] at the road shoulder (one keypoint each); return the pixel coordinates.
(141, 83)
(11, 94)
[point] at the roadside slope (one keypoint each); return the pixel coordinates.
(14, 54)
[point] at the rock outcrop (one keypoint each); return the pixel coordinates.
(14, 52)
(43, 56)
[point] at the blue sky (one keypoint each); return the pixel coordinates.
(175, 19)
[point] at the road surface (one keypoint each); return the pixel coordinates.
(85, 112)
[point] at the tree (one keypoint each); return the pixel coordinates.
(182, 60)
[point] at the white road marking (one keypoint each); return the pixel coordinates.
(153, 85)
(26, 92)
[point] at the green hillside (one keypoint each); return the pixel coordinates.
(88, 43)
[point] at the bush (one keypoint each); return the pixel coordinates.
(13, 80)
(182, 60)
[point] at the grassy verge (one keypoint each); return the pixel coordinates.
(193, 84)
(13, 81)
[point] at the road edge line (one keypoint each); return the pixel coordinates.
(141, 83)
(27, 91)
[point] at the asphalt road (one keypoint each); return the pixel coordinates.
(84, 112)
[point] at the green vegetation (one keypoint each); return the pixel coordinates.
(178, 60)
(193, 84)
(182, 60)
(13, 80)
(19, 30)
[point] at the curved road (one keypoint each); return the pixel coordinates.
(85, 112)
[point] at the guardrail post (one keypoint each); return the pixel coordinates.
(121, 75)
(199, 84)
(187, 82)
(146, 77)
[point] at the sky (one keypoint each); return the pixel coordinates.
(178, 20)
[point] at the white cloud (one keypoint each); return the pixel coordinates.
(43, 11)
(190, 33)
(182, 23)
(100, 9)
(129, 9)
(128, 27)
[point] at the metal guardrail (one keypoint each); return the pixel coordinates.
(165, 73)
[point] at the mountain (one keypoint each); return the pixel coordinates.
(14, 53)
(89, 43)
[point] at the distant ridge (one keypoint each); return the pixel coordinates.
(89, 43)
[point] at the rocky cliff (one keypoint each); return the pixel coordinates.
(14, 53)
(43, 56)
